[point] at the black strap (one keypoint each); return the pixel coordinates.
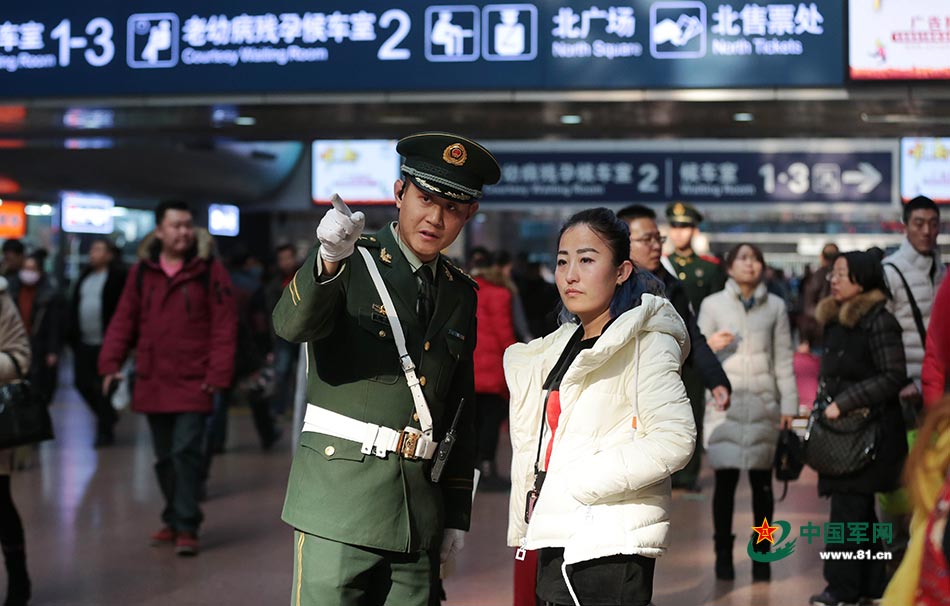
(918, 318)
(16, 365)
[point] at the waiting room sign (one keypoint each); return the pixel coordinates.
(105, 48)
(751, 171)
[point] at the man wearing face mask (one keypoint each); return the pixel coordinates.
(42, 307)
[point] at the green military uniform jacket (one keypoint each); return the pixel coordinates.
(335, 491)
(700, 277)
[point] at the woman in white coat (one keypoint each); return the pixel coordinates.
(749, 331)
(599, 422)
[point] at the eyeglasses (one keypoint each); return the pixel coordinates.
(648, 239)
(839, 276)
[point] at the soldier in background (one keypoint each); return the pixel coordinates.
(700, 275)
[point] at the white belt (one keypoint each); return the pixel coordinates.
(377, 440)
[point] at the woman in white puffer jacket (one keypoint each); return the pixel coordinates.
(748, 329)
(606, 386)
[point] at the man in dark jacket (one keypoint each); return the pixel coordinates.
(701, 370)
(178, 309)
(91, 307)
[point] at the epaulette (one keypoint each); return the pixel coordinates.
(368, 242)
(460, 273)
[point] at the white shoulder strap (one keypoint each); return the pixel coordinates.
(665, 262)
(408, 368)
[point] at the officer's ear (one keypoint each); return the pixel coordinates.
(399, 190)
(472, 209)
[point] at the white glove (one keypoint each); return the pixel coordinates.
(453, 540)
(338, 234)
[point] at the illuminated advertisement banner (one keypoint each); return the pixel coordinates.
(175, 47)
(899, 39)
(87, 213)
(362, 172)
(925, 169)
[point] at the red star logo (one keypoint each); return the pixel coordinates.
(765, 532)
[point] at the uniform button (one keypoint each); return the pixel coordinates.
(382, 333)
(329, 450)
(415, 416)
(682, 275)
(422, 381)
(427, 346)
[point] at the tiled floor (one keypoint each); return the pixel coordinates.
(88, 515)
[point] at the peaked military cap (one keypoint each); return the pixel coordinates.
(682, 214)
(447, 165)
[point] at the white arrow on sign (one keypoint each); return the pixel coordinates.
(866, 177)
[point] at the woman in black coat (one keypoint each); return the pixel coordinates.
(862, 367)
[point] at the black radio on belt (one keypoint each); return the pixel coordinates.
(445, 446)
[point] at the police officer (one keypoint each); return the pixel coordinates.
(370, 523)
(700, 276)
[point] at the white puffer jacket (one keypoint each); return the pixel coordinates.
(916, 269)
(607, 489)
(759, 364)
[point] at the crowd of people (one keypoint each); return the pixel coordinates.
(614, 380)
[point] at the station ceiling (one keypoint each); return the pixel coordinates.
(139, 135)
(863, 112)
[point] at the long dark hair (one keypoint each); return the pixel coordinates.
(616, 235)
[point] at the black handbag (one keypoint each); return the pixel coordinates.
(841, 446)
(789, 459)
(23, 418)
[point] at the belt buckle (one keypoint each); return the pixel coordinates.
(408, 439)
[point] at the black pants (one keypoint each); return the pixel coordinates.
(11, 528)
(177, 440)
(619, 580)
(490, 412)
(89, 384)
(849, 580)
(724, 498)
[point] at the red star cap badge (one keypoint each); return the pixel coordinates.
(765, 532)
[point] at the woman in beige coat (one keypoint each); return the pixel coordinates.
(14, 344)
(748, 329)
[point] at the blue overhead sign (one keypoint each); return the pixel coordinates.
(102, 47)
(595, 177)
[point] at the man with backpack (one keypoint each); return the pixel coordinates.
(177, 309)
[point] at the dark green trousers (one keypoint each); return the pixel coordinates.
(696, 392)
(328, 573)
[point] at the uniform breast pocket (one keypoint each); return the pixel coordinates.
(377, 348)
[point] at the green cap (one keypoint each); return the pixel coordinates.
(447, 165)
(681, 214)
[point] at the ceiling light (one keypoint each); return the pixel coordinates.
(903, 119)
(743, 117)
(245, 121)
(571, 119)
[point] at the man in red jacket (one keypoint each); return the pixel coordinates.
(178, 310)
